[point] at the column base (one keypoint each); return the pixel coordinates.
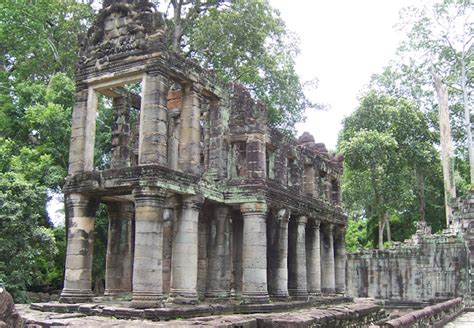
(279, 295)
(117, 295)
(314, 294)
(145, 300)
(76, 296)
(340, 291)
(254, 298)
(298, 294)
(183, 296)
(217, 294)
(328, 291)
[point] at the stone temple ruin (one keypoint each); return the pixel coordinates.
(204, 199)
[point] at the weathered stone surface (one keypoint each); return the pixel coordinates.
(195, 172)
(9, 316)
(426, 268)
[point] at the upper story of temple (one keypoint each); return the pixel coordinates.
(184, 131)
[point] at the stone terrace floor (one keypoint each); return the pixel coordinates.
(362, 312)
(464, 321)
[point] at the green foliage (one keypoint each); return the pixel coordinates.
(27, 247)
(357, 236)
(391, 166)
(247, 41)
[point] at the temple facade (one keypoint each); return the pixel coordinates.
(204, 199)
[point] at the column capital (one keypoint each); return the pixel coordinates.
(253, 208)
(301, 219)
(81, 204)
(283, 215)
(315, 223)
(329, 227)
(193, 202)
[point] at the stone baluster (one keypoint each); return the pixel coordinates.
(148, 256)
(80, 246)
(328, 283)
(218, 251)
(184, 265)
(297, 283)
(340, 260)
(278, 256)
(153, 137)
(254, 253)
(313, 255)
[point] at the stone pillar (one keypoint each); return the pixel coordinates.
(152, 147)
(147, 266)
(256, 156)
(219, 256)
(278, 256)
(254, 253)
(190, 134)
(119, 260)
(328, 283)
(309, 182)
(120, 133)
(81, 149)
(217, 150)
(313, 256)
(80, 246)
(340, 260)
(168, 219)
(297, 283)
(184, 265)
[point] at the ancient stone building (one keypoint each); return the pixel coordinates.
(424, 269)
(204, 199)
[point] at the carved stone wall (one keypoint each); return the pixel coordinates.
(426, 268)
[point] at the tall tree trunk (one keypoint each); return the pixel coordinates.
(421, 196)
(178, 25)
(446, 144)
(386, 219)
(467, 117)
(381, 229)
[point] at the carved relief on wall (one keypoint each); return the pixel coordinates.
(121, 28)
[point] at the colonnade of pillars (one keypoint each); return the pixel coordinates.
(281, 256)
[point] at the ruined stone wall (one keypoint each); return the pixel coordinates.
(426, 268)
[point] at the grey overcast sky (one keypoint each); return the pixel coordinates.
(342, 43)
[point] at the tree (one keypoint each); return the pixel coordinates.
(439, 41)
(244, 41)
(389, 158)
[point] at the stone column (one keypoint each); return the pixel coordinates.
(120, 133)
(256, 156)
(152, 147)
(119, 260)
(81, 149)
(309, 182)
(147, 266)
(297, 283)
(313, 256)
(340, 260)
(254, 253)
(328, 283)
(278, 256)
(219, 256)
(184, 265)
(190, 134)
(80, 246)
